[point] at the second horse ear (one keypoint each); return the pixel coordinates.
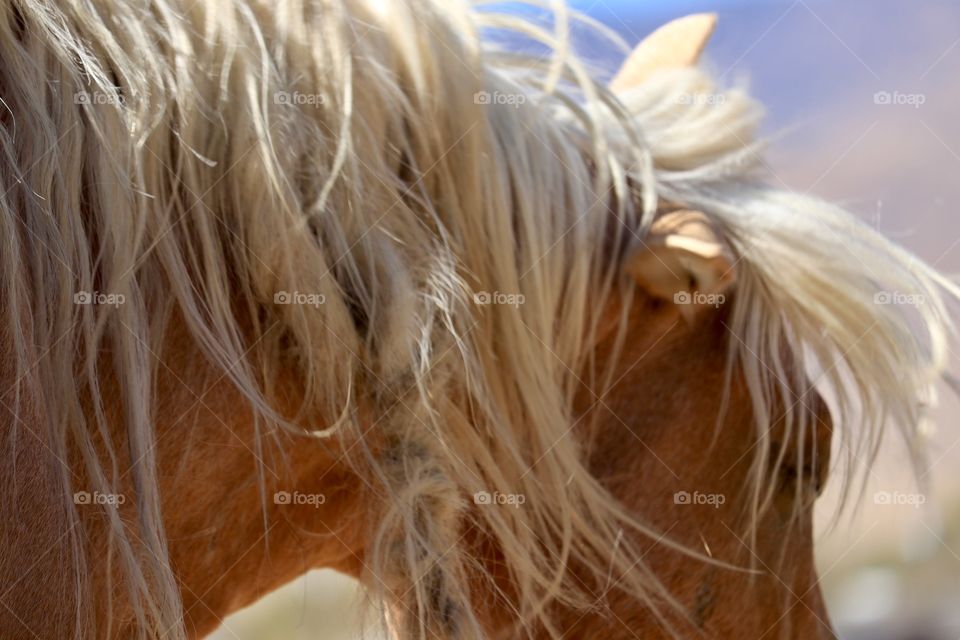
(675, 45)
(683, 256)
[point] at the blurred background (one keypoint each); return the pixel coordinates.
(862, 99)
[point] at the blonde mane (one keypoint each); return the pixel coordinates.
(201, 157)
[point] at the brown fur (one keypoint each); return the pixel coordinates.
(663, 441)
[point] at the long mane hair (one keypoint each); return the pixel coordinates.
(198, 157)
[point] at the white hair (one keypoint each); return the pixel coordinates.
(228, 151)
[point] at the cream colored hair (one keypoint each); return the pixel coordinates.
(183, 182)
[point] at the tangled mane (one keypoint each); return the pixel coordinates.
(147, 152)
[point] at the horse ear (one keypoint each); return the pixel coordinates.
(675, 45)
(683, 259)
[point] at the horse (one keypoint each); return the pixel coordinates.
(360, 285)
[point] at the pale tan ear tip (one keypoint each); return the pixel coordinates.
(699, 24)
(695, 30)
(679, 43)
(703, 25)
(707, 20)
